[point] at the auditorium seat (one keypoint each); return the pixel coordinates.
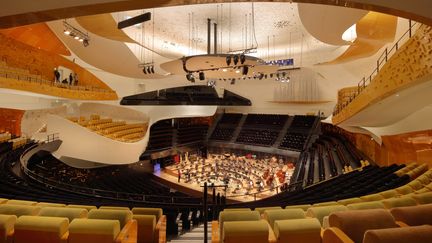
(400, 235)
(245, 232)
(229, 216)
(114, 207)
(350, 201)
(3, 200)
(415, 184)
(19, 210)
(264, 209)
(7, 223)
(21, 202)
(123, 216)
(413, 215)
(144, 218)
(404, 190)
(304, 207)
(44, 204)
(282, 214)
(70, 213)
(399, 202)
(372, 197)
(423, 198)
(87, 207)
(366, 205)
(306, 230)
(41, 229)
(353, 224)
(322, 211)
(389, 193)
(95, 230)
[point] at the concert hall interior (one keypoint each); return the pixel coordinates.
(216, 121)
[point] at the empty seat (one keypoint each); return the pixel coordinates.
(298, 230)
(123, 216)
(389, 193)
(399, 235)
(350, 201)
(262, 210)
(321, 212)
(404, 190)
(158, 212)
(353, 224)
(399, 202)
(245, 232)
(413, 215)
(366, 205)
(3, 200)
(415, 184)
(146, 228)
(372, 197)
(70, 213)
(423, 198)
(7, 223)
(22, 202)
(43, 204)
(304, 207)
(88, 207)
(41, 229)
(331, 203)
(272, 215)
(93, 230)
(19, 210)
(114, 207)
(236, 209)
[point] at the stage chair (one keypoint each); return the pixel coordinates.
(400, 235)
(41, 229)
(96, 230)
(306, 230)
(70, 213)
(413, 215)
(366, 205)
(87, 207)
(350, 226)
(19, 210)
(245, 232)
(21, 202)
(399, 202)
(272, 215)
(7, 223)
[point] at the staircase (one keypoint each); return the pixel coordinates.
(195, 235)
(283, 131)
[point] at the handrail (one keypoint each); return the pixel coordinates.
(95, 192)
(8, 72)
(382, 60)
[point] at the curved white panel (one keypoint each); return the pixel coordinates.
(328, 23)
(33, 121)
(168, 112)
(83, 144)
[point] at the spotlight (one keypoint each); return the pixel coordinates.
(288, 79)
(283, 74)
(190, 77)
(81, 40)
(271, 75)
(260, 76)
(277, 75)
(66, 32)
(242, 58)
(245, 70)
(265, 76)
(76, 37)
(228, 60)
(233, 81)
(236, 59)
(85, 42)
(201, 76)
(148, 70)
(152, 69)
(144, 70)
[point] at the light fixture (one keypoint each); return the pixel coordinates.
(190, 77)
(201, 76)
(152, 69)
(242, 58)
(233, 81)
(235, 59)
(76, 33)
(148, 70)
(245, 70)
(224, 69)
(237, 71)
(144, 70)
(228, 60)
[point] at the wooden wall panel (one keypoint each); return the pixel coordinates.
(399, 149)
(40, 62)
(10, 121)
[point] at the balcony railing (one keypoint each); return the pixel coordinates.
(382, 60)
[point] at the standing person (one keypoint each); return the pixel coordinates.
(56, 75)
(179, 175)
(70, 79)
(76, 78)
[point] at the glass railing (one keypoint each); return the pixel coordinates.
(382, 60)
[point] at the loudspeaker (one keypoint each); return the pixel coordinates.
(245, 70)
(201, 76)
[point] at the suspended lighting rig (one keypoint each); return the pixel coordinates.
(76, 34)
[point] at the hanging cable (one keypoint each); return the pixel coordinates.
(153, 30)
(253, 25)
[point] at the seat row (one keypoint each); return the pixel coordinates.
(29, 221)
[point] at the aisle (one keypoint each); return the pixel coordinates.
(195, 235)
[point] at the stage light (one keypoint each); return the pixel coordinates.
(152, 69)
(245, 70)
(237, 71)
(265, 76)
(190, 77)
(86, 42)
(148, 70)
(144, 70)
(260, 76)
(81, 40)
(201, 76)
(271, 75)
(288, 79)
(233, 81)
(242, 58)
(76, 37)
(66, 32)
(235, 59)
(225, 70)
(228, 60)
